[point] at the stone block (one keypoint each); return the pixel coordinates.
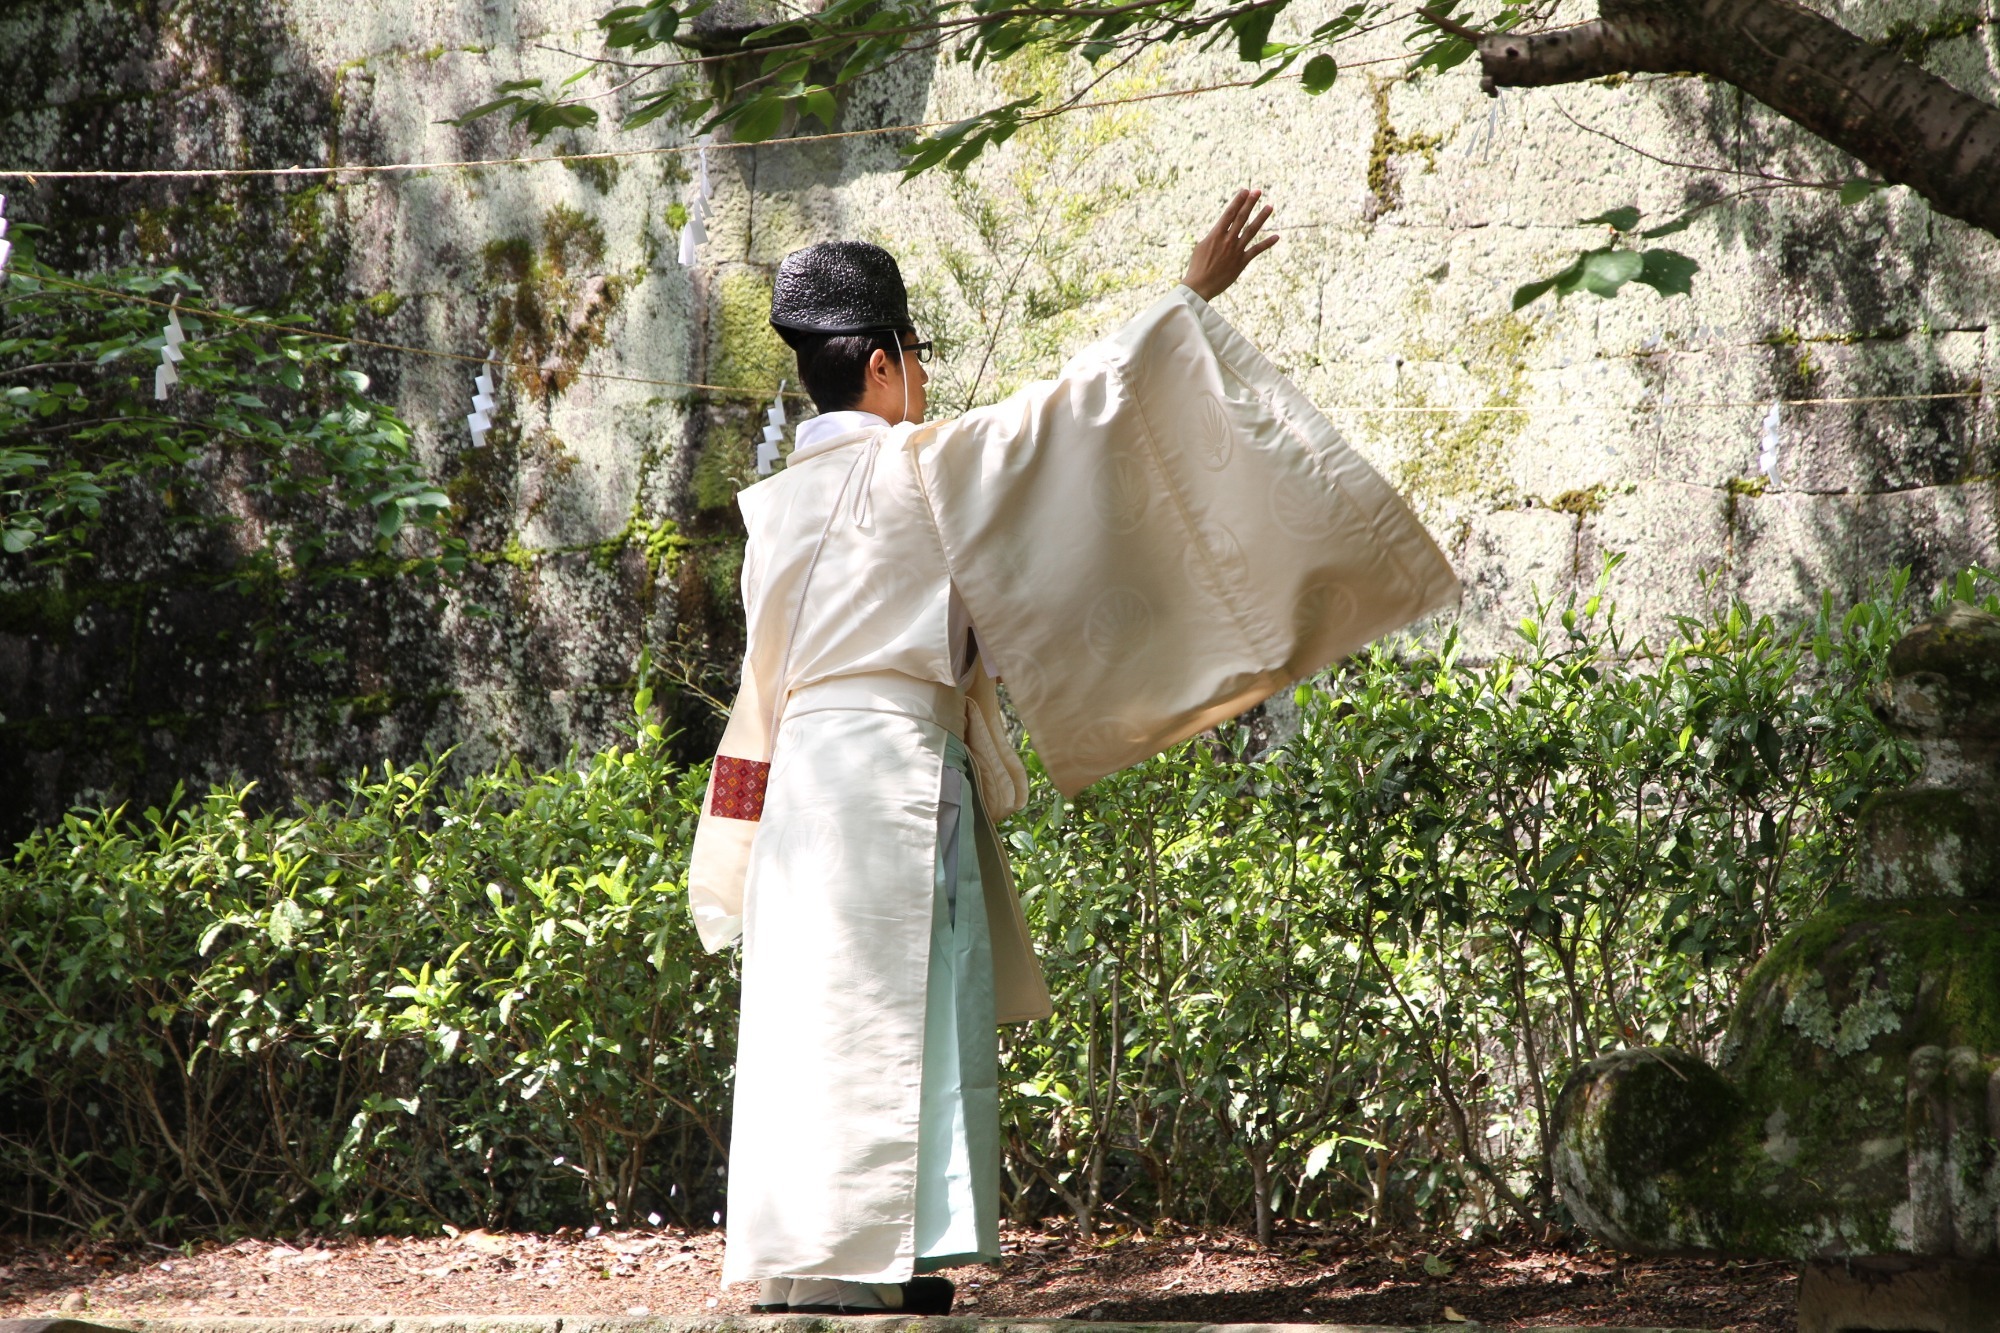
(1507, 560)
(1903, 1296)
(1935, 531)
(1712, 402)
(1865, 446)
(1387, 291)
(1791, 547)
(1582, 431)
(1678, 557)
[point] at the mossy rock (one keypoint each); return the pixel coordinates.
(1940, 835)
(1630, 1125)
(1920, 972)
(1930, 842)
(1854, 1114)
(1961, 648)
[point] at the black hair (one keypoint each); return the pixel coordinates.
(831, 365)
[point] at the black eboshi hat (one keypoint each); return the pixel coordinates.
(840, 287)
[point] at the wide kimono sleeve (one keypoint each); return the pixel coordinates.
(733, 805)
(1163, 536)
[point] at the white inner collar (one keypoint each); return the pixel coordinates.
(829, 430)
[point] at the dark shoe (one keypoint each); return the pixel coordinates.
(921, 1296)
(928, 1295)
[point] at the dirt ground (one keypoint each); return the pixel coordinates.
(1197, 1276)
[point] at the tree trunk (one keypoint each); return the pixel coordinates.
(1910, 125)
(1260, 1187)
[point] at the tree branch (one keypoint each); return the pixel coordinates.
(1906, 123)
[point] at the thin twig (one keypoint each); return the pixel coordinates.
(1450, 24)
(1695, 166)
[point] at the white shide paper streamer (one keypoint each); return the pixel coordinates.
(481, 419)
(774, 434)
(1768, 440)
(166, 376)
(695, 232)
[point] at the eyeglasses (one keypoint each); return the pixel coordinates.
(923, 351)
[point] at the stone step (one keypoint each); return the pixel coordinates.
(445, 1323)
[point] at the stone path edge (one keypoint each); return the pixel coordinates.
(726, 1324)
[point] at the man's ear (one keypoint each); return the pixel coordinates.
(878, 364)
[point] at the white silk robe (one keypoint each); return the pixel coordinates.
(1155, 540)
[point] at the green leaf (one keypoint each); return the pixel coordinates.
(1274, 71)
(958, 145)
(545, 118)
(1340, 24)
(1668, 272)
(1253, 34)
(1447, 52)
(819, 104)
(512, 98)
(1855, 189)
(653, 108)
(1317, 1159)
(758, 119)
(1605, 271)
(288, 922)
(785, 67)
(1618, 219)
(483, 110)
(1319, 73)
(640, 27)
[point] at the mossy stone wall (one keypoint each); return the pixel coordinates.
(600, 509)
(120, 680)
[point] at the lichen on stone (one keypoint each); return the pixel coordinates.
(747, 352)
(1873, 1012)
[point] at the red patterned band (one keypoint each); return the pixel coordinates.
(739, 788)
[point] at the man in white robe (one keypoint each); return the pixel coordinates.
(1152, 542)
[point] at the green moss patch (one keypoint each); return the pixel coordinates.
(553, 298)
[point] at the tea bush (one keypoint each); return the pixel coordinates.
(1348, 973)
(480, 1002)
(1334, 963)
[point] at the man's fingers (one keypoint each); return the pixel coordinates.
(1232, 216)
(1230, 244)
(1225, 224)
(1246, 204)
(1256, 224)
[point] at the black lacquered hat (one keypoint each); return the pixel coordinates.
(840, 287)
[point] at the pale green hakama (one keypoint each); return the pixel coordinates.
(958, 1136)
